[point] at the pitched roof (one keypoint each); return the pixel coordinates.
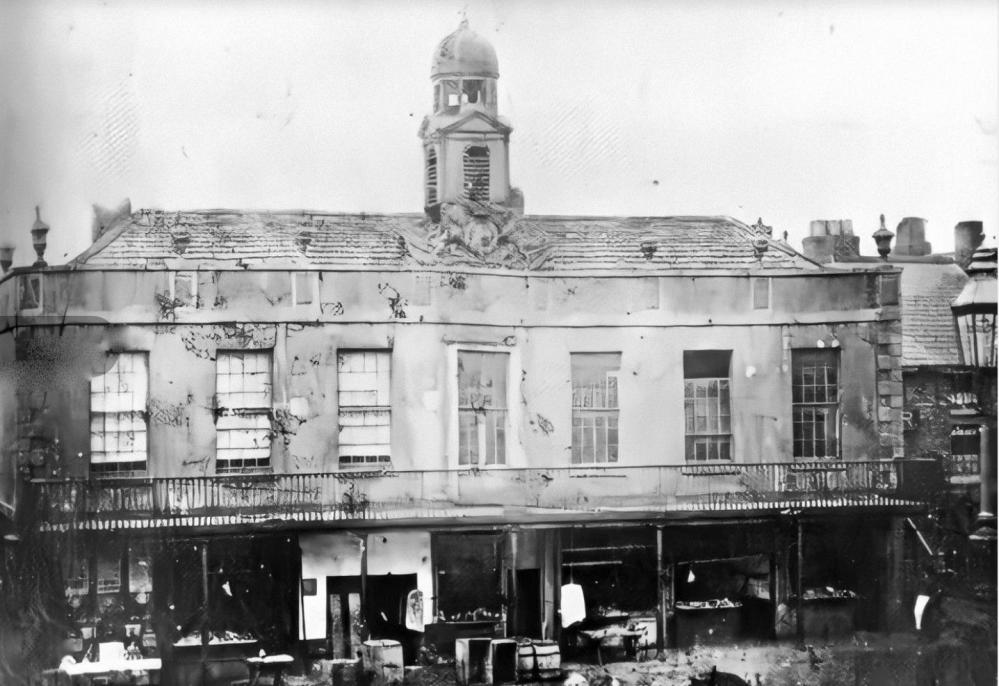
(928, 336)
(226, 239)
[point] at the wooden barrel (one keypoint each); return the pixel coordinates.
(539, 661)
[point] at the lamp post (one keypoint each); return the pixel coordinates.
(975, 321)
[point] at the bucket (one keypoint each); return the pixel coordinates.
(539, 661)
(383, 662)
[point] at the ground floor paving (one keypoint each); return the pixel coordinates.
(877, 659)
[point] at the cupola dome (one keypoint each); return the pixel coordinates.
(465, 53)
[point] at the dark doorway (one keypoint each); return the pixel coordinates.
(381, 616)
(346, 624)
(526, 619)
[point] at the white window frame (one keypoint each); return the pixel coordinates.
(307, 286)
(22, 284)
(712, 437)
(193, 277)
(515, 456)
(115, 398)
(714, 434)
(607, 412)
(250, 414)
(829, 408)
(352, 389)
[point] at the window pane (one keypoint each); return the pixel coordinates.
(243, 391)
(365, 412)
(815, 393)
(118, 421)
(594, 401)
(707, 410)
(482, 379)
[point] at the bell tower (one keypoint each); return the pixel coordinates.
(466, 156)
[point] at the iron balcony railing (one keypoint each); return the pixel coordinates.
(231, 499)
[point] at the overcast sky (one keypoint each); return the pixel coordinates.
(787, 110)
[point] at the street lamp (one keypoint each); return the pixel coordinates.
(975, 311)
(975, 320)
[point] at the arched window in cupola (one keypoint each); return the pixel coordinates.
(476, 167)
(472, 91)
(431, 176)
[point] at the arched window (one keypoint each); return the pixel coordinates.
(431, 176)
(476, 167)
(471, 90)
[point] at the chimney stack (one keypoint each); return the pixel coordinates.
(967, 237)
(910, 238)
(831, 240)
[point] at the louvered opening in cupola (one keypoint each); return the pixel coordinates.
(476, 168)
(431, 176)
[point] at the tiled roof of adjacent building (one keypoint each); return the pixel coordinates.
(928, 335)
(231, 239)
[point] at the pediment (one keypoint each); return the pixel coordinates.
(476, 122)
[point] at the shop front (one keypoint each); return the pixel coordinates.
(108, 588)
(468, 588)
(612, 573)
(364, 586)
(840, 573)
(220, 601)
(722, 582)
(196, 608)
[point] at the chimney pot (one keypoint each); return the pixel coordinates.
(818, 228)
(968, 235)
(911, 237)
(831, 240)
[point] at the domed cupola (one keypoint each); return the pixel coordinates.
(465, 142)
(464, 72)
(465, 53)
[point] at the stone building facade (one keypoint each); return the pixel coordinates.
(240, 430)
